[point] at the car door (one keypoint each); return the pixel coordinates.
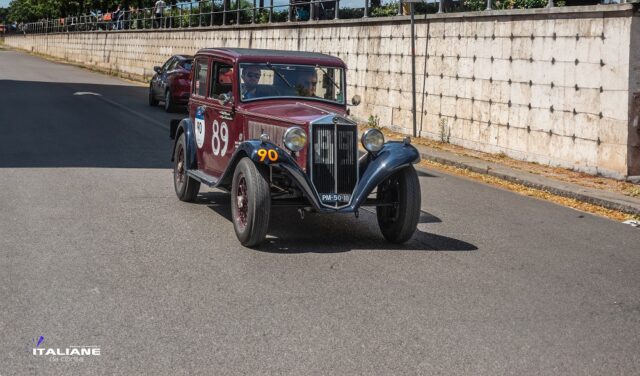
(198, 112)
(159, 78)
(167, 69)
(220, 116)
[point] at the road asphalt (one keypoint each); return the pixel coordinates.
(95, 250)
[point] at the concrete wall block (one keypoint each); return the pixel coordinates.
(585, 154)
(521, 48)
(554, 73)
(464, 108)
(615, 45)
(500, 70)
(612, 131)
(517, 139)
(561, 150)
(612, 160)
(448, 106)
(615, 77)
(584, 126)
(585, 100)
(502, 28)
(540, 120)
(588, 75)
(613, 105)
(520, 94)
(481, 111)
(537, 72)
(520, 71)
(538, 146)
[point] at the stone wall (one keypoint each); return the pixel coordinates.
(553, 86)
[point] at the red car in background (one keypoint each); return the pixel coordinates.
(171, 83)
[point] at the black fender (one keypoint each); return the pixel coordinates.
(392, 157)
(176, 128)
(285, 161)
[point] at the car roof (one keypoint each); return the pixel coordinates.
(274, 56)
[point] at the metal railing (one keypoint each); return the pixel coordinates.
(211, 13)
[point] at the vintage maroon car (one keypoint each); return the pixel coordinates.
(271, 127)
(171, 83)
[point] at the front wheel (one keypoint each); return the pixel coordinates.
(186, 187)
(250, 203)
(399, 220)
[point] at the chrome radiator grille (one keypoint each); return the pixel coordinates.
(334, 161)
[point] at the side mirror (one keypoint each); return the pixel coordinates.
(225, 98)
(157, 69)
(356, 100)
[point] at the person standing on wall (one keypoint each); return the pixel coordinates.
(158, 13)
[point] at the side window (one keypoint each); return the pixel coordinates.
(200, 77)
(222, 80)
(166, 65)
(173, 65)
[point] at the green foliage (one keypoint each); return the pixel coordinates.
(373, 122)
(386, 10)
(475, 5)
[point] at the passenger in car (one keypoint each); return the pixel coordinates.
(306, 84)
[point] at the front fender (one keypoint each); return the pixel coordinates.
(392, 157)
(285, 161)
(175, 130)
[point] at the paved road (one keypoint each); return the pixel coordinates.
(96, 250)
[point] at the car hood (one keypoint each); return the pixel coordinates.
(296, 112)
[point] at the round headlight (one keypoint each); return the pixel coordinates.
(372, 140)
(295, 138)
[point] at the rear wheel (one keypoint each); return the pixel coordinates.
(169, 106)
(152, 98)
(399, 221)
(186, 187)
(250, 203)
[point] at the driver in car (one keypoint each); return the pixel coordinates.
(250, 78)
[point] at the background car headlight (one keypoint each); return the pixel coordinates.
(372, 140)
(295, 138)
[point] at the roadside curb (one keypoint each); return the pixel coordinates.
(606, 199)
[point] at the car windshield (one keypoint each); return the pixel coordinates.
(261, 81)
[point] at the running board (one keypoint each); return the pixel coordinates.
(203, 177)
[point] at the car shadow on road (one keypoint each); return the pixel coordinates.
(49, 124)
(333, 233)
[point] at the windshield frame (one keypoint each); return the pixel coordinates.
(265, 65)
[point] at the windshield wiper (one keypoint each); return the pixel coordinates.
(329, 77)
(279, 75)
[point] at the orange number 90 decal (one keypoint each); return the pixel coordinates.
(271, 154)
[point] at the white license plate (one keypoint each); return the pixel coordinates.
(332, 197)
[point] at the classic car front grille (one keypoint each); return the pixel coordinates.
(334, 161)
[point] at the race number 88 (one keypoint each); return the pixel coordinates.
(220, 139)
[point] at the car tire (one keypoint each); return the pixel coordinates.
(168, 102)
(152, 98)
(250, 203)
(398, 223)
(186, 187)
